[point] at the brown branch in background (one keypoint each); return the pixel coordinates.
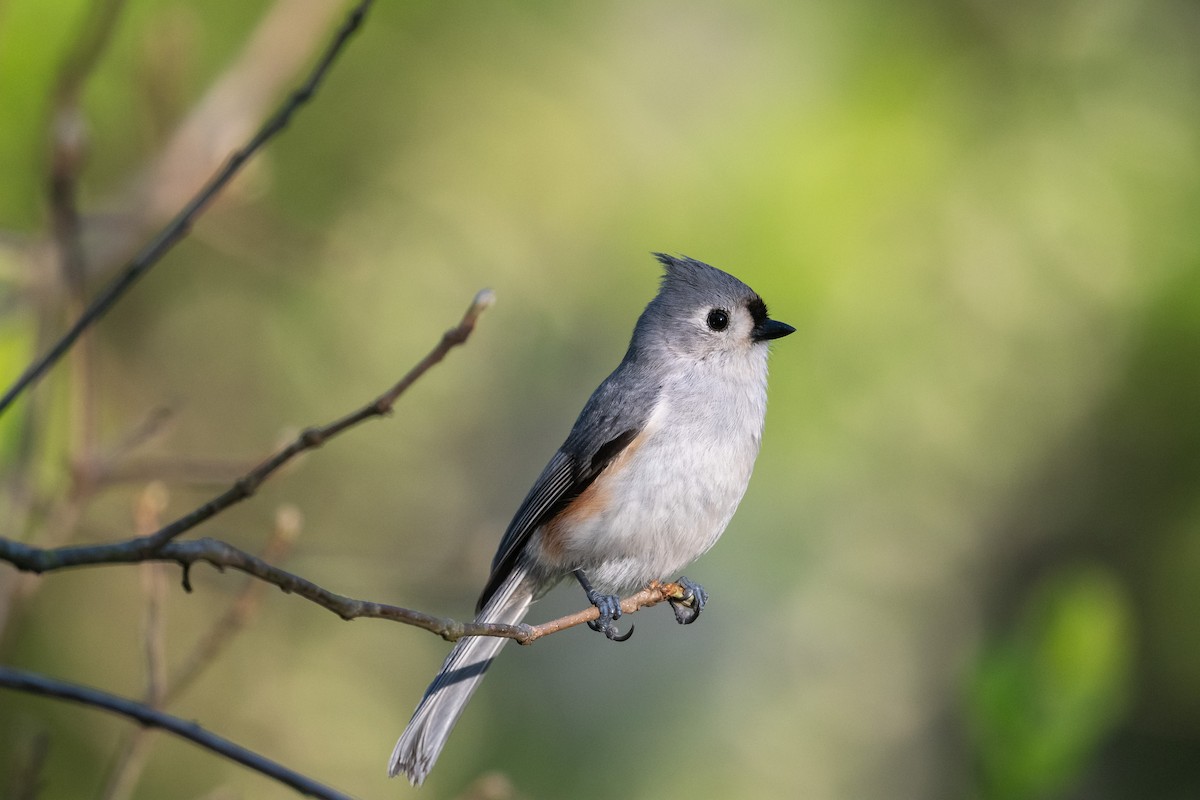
(131, 757)
(154, 584)
(25, 780)
(147, 548)
(68, 140)
(182, 223)
(95, 470)
(174, 470)
(67, 135)
(163, 690)
(117, 464)
(48, 687)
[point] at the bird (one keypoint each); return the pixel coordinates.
(646, 482)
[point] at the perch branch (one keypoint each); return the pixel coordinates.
(163, 546)
(178, 227)
(49, 687)
(650, 596)
(223, 555)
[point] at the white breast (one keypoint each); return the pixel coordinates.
(670, 499)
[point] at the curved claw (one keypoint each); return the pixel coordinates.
(688, 607)
(607, 627)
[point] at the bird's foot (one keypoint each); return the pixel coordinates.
(690, 604)
(609, 606)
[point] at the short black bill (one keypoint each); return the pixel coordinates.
(771, 329)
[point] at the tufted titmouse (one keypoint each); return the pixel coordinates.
(645, 483)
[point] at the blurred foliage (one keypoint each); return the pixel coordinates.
(1043, 697)
(966, 565)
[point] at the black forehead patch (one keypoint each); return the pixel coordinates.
(757, 309)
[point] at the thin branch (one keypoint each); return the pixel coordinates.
(182, 223)
(49, 687)
(650, 596)
(223, 555)
(243, 608)
(146, 548)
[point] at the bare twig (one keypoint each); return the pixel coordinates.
(182, 223)
(222, 555)
(49, 687)
(146, 548)
(240, 611)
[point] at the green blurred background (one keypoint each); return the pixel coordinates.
(967, 565)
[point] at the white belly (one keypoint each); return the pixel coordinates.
(670, 498)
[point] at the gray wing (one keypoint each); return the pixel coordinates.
(612, 418)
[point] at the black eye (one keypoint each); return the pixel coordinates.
(718, 319)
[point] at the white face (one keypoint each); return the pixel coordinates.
(720, 328)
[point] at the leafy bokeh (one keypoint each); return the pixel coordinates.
(966, 565)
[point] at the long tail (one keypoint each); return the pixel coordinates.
(447, 696)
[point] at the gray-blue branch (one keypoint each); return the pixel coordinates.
(144, 714)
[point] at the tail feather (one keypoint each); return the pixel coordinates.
(445, 699)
